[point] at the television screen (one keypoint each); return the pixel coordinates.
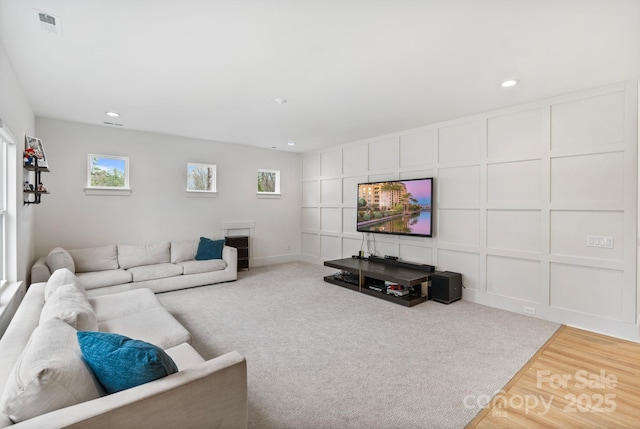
(401, 207)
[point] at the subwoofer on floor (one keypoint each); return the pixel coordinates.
(446, 287)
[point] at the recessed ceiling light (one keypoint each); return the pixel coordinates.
(280, 100)
(113, 114)
(508, 83)
(291, 143)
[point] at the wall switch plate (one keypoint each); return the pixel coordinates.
(603, 241)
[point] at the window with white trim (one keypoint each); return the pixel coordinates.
(201, 177)
(107, 175)
(107, 172)
(268, 182)
(3, 210)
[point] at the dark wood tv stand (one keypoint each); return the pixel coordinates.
(367, 273)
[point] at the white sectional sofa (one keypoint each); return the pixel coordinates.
(202, 394)
(161, 266)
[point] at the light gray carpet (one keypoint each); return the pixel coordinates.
(320, 356)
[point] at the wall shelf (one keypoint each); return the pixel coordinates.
(37, 183)
(240, 242)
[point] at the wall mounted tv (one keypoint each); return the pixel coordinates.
(400, 207)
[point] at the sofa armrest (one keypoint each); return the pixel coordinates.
(40, 271)
(230, 256)
(212, 394)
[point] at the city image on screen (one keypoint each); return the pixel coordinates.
(401, 207)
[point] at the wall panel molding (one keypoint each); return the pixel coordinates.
(517, 192)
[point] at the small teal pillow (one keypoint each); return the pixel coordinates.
(209, 249)
(119, 363)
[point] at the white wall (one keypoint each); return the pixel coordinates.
(16, 112)
(159, 208)
(517, 192)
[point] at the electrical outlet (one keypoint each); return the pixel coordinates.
(529, 310)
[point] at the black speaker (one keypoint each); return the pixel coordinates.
(446, 287)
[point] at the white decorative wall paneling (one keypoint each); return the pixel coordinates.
(517, 194)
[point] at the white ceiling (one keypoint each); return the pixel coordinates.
(350, 69)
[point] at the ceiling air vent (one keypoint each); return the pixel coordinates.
(49, 23)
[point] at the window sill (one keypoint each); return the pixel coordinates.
(201, 194)
(268, 196)
(11, 295)
(112, 192)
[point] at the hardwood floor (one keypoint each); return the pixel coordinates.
(578, 379)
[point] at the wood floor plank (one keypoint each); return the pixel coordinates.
(578, 379)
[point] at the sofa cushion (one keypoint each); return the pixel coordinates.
(104, 278)
(116, 305)
(95, 258)
(209, 249)
(71, 305)
(120, 363)
(184, 356)
(50, 374)
(155, 325)
(61, 278)
(183, 250)
(155, 271)
(197, 267)
(146, 254)
(60, 258)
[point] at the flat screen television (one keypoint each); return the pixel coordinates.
(400, 207)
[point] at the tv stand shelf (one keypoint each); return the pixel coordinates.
(369, 272)
(338, 282)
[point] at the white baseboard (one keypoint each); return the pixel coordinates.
(272, 260)
(311, 259)
(588, 322)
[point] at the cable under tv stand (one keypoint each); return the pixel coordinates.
(369, 274)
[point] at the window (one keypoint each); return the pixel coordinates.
(108, 173)
(6, 139)
(268, 182)
(201, 177)
(3, 210)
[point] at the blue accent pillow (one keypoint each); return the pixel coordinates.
(119, 363)
(209, 249)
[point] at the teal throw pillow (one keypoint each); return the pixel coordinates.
(209, 249)
(119, 363)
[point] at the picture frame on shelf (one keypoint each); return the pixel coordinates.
(36, 145)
